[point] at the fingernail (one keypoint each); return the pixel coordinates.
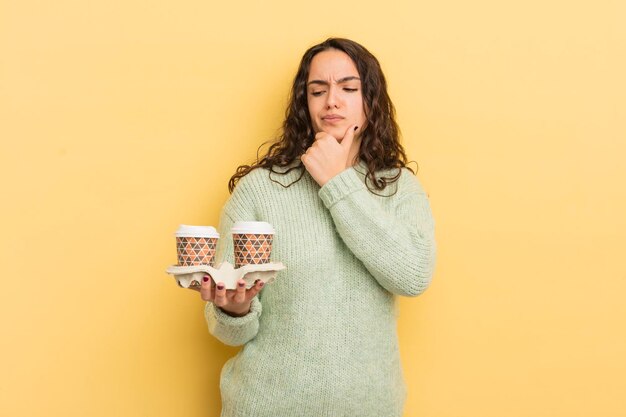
(205, 279)
(241, 284)
(261, 284)
(220, 287)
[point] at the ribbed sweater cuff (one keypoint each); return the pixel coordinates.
(230, 321)
(339, 186)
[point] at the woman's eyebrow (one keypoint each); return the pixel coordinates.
(340, 81)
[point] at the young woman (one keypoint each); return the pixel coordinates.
(354, 229)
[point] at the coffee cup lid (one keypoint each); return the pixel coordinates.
(185, 230)
(252, 227)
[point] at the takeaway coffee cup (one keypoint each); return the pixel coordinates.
(195, 245)
(252, 242)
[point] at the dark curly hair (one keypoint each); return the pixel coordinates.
(380, 143)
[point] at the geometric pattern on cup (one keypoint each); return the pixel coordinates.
(252, 248)
(195, 250)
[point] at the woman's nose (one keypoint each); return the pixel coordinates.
(331, 98)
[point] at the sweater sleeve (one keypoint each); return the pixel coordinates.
(397, 247)
(233, 331)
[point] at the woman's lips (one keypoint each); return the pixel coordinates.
(332, 119)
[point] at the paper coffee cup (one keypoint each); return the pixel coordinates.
(252, 242)
(195, 245)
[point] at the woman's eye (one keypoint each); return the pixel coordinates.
(351, 90)
(316, 93)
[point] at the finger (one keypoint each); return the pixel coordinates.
(320, 135)
(240, 293)
(256, 288)
(308, 157)
(348, 138)
(206, 290)
(220, 295)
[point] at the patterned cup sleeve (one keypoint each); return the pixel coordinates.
(252, 248)
(195, 250)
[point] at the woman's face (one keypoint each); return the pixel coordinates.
(334, 94)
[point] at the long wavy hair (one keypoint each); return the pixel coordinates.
(380, 147)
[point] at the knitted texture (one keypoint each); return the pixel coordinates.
(321, 340)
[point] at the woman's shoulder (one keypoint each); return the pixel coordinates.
(410, 181)
(249, 182)
(246, 195)
(260, 178)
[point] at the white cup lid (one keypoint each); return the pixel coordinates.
(196, 231)
(252, 227)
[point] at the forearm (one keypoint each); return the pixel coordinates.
(225, 326)
(233, 331)
(397, 247)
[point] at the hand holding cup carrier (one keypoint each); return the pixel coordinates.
(252, 244)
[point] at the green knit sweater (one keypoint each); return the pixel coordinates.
(321, 339)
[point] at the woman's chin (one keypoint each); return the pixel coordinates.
(337, 133)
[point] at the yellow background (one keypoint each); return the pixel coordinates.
(122, 119)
